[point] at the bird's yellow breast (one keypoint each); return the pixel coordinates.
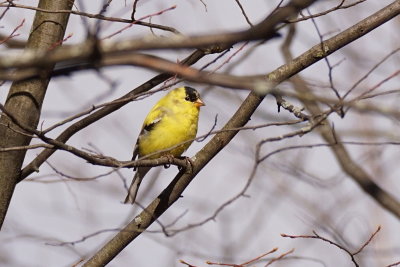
(177, 126)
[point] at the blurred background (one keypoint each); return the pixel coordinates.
(294, 191)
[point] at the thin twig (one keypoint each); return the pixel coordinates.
(140, 19)
(12, 34)
(94, 16)
(244, 13)
(351, 254)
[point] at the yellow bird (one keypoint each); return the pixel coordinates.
(172, 121)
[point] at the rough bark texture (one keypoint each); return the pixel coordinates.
(25, 98)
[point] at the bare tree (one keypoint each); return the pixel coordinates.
(304, 92)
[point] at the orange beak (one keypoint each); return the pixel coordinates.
(198, 103)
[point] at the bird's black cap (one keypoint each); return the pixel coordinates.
(191, 94)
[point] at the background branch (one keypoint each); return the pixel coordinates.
(175, 189)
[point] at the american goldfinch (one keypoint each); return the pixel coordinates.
(172, 121)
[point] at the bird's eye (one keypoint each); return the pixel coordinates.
(187, 98)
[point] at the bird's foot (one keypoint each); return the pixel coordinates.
(170, 161)
(189, 164)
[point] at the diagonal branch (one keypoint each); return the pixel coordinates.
(174, 190)
(349, 166)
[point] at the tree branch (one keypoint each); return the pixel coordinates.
(264, 30)
(174, 190)
(25, 98)
(354, 170)
(240, 118)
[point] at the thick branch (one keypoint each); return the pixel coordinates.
(25, 98)
(82, 52)
(240, 118)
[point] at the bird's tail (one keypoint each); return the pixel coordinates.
(133, 189)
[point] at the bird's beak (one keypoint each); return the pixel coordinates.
(198, 103)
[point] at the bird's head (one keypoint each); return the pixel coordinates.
(193, 96)
(187, 94)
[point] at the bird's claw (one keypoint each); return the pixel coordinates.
(170, 161)
(189, 164)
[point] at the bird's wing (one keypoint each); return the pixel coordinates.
(153, 118)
